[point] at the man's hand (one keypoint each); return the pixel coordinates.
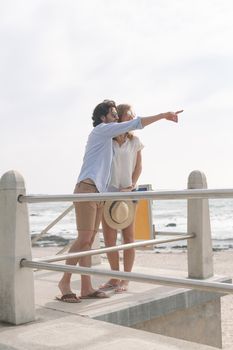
(173, 116)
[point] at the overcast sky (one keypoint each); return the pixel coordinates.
(60, 58)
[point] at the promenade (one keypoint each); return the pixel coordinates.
(173, 309)
(61, 326)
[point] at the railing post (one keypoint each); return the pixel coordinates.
(200, 254)
(17, 304)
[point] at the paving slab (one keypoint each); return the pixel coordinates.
(56, 330)
(61, 325)
(135, 305)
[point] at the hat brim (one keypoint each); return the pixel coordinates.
(119, 226)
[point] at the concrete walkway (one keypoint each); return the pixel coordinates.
(71, 326)
(56, 330)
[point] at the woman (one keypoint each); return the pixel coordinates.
(126, 169)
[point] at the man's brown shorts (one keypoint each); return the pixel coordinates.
(88, 214)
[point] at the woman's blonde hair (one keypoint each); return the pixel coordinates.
(121, 110)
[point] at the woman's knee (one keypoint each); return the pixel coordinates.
(128, 239)
(110, 240)
(110, 237)
(128, 236)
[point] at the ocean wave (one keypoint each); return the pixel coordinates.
(59, 241)
(50, 241)
(169, 216)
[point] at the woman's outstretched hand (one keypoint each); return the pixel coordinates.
(127, 189)
(173, 116)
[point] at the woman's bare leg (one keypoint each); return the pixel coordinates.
(110, 237)
(129, 254)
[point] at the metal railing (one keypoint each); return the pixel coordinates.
(34, 199)
(14, 228)
(113, 249)
(156, 195)
(46, 263)
(136, 277)
(142, 244)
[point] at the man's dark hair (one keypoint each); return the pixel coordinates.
(101, 110)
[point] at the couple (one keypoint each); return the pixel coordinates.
(93, 178)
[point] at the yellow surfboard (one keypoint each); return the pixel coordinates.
(143, 220)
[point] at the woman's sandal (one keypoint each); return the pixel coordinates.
(121, 289)
(108, 286)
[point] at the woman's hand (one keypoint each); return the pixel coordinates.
(127, 189)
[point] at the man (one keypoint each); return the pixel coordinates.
(93, 178)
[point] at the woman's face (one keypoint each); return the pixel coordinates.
(128, 115)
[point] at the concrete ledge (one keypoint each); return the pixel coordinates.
(180, 313)
(184, 314)
(200, 324)
(55, 330)
(159, 301)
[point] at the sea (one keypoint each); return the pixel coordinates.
(169, 216)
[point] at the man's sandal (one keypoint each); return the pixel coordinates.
(97, 294)
(69, 298)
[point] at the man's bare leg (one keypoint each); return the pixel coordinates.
(82, 243)
(86, 285)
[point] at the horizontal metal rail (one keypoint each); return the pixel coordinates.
(215, 287)
(113, 249)
(137, 195)
(167, 233)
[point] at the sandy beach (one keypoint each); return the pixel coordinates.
(178, 261)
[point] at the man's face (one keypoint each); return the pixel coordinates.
(112, 116)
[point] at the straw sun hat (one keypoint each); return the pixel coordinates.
(119, 214)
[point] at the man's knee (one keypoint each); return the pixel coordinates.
(93, 237)
(84, 242)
